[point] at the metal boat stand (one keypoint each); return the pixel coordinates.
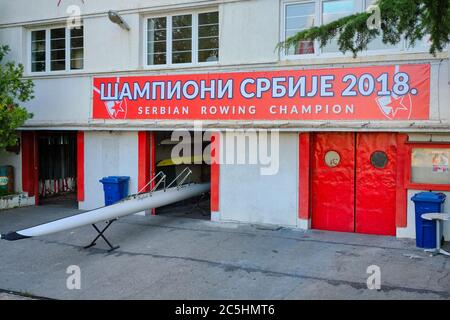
(101, 234)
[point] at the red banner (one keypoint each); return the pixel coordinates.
(362, 93)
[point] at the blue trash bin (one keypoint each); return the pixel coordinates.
(115, 188)
(427, 202)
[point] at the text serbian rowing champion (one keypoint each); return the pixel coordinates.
(251, 110)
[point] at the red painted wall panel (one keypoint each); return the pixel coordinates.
(333, 187)
(28, 163)
(143, 160)
(376, 187)
(80, 165)
(215, 170)
(304, 175)
(401, 192)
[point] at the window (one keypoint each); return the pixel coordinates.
(38, 51)
(182, 39)
(76, 49)
(332, 158)
(299, 16)
(333, 10)
(379, 159)
(57, 49)
(208, 37)
(377, 44)
(156, 41)
(304, 14)
(430, 165)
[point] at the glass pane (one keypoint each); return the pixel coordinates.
(182, 33)
(157, 23)
(58, 44)
(58, 65)
(38, 46)
(38, 66)
(208, 55)
(299, 17)
(157, 35)
(76, 32)
(300, 9)
(181, 45)
(76, 42)
(58, 55)
(156, 47)
(208, 18)
(208, 43)
(379, 159)
(159, 58)
(182, 57)
(299, 23)
(182, 21)
(38, 35)
(208, 31)
(38, 56)
(76, 64)
(430, 165)
(334, 10)
(303, 47)
(58, 33)
(76, 54)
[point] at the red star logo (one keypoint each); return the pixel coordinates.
(396, 104)
(118, 108)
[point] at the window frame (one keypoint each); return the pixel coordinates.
(194, 40)
(423, 186)
(359, 7)
(68, 54)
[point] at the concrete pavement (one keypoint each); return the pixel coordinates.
(180, 258)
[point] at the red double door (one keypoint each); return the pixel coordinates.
(354, 182)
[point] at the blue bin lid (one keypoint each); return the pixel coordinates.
(114, 179)
(429, 197)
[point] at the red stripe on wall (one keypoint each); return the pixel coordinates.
(401, 192)
(304, 175)
(215, 171)
(143, 160)
(152, 162)
(28, 163)
(80, 166)
(36, 167)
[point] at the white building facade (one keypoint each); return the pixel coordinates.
(336, 154)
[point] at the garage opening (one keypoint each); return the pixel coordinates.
(57, 156)
(193, 161)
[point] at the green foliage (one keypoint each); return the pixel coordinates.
(13, 90)
(411, 19)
